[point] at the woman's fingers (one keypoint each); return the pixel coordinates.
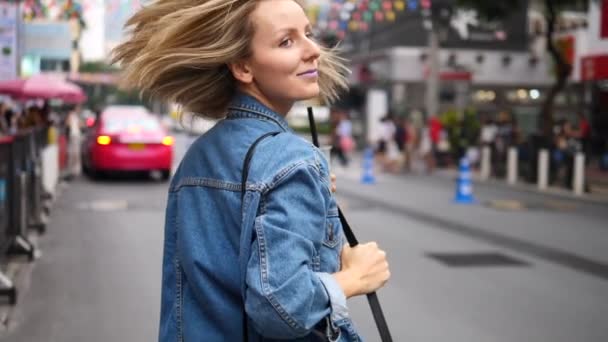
(333, 182)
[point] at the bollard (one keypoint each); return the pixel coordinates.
(512, 166)
(464, 184)
(486, 157)
(8, 289)
(578, 181)
(543, 169)
(368, 167)
(34, 185)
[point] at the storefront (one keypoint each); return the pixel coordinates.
(595, 82)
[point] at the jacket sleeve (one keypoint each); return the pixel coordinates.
(285, 299)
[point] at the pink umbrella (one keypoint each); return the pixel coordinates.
(43, 87)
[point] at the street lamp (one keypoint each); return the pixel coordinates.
(436, 20)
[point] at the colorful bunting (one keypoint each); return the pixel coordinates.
(338, 17)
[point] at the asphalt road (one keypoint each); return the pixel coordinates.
(485, 272)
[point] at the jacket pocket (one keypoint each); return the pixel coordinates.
(332, 244)
(333, 232)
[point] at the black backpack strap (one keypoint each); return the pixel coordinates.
(246, 165)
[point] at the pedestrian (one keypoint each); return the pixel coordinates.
(343, 142)
(504, 140)
(74, 135)
(411, 143)
(487, 135)
(267, 261)
(4, 120)
(388, 151)
(583, 133)
(433, 137)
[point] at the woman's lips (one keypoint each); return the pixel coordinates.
(309, 73)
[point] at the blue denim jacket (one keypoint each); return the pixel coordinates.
(277, 247)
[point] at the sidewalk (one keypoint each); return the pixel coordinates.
(549, 223)
(599, 194)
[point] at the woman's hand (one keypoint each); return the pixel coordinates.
(333, 182)
(364, 269)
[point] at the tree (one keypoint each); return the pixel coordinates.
(95, 67)
(100, 95)
(499, 9)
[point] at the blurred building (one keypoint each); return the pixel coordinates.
(49, 46)
(58, 36)
(491, 65)
(592, 63)
(9, 33)
(42, 36)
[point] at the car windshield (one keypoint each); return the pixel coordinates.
(132, 125)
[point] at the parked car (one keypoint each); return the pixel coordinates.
(127, 138)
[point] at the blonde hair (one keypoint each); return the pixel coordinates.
(179, 50)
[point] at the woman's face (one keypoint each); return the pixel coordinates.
(284, 61)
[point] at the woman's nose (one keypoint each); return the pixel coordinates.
(312, 50)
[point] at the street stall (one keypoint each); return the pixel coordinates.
(47, 87)
(29, 168)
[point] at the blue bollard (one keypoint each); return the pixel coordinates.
(464, 184)
(368, 167)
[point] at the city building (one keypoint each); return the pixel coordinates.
(489, 65)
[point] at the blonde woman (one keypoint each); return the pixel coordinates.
(266, 262)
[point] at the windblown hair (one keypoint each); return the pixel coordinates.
(179, 51)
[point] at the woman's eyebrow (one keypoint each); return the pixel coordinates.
(292, 29)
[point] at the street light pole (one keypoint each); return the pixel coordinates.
(436, 21)
(432, 78)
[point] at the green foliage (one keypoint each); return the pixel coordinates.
(101, 95)
(95, 67)
(462, 127)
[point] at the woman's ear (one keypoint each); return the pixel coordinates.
(241, 71)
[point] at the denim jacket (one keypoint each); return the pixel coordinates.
(277, 248)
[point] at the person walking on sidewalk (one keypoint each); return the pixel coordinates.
(74, 135)
(343, 142)
(266, 261)
(411, 141)
(387, 151)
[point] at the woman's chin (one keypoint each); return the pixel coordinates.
(309, 93)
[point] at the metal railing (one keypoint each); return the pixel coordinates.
(21, 197)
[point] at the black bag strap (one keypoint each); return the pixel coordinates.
(372, 298)
(245, 175)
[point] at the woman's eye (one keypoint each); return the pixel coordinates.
(285, 43)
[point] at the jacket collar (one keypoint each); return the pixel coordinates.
(247, 106)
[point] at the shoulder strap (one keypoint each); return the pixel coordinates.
(247, 161)
(245, 175)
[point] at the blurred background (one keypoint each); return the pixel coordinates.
(472, 144)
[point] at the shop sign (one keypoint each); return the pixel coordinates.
(594, 68)
(8, 40)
